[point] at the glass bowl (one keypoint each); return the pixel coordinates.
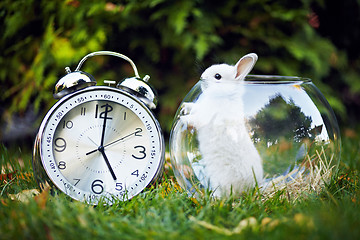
(271, 132)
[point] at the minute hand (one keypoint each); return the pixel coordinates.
(101, 147)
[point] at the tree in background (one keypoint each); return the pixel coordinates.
(172, 41)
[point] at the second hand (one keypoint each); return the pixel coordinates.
(118, 140)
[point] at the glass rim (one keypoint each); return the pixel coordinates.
(269, 79)
(275, 79)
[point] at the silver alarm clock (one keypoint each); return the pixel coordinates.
(99, 142)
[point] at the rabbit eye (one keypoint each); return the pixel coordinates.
(218, 76)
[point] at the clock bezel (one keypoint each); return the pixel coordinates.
(42, 170)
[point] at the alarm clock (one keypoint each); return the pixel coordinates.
(99, 143)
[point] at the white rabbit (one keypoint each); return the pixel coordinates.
(230, 161)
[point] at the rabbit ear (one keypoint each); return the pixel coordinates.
(244, 65)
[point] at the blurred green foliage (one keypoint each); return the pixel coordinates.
(172, 41)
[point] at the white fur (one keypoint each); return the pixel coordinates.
(230, 161)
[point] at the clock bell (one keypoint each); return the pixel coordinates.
(77, 80)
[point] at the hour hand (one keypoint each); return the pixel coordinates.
(88, 153)
(101, 149)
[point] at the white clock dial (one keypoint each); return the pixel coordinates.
(101, 142)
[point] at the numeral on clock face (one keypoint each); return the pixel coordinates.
(103, 110)
(60, 144)
(62, 165)
(83, 111)
(97, 186)
(138, 132)
(68, 124)
(141, 152)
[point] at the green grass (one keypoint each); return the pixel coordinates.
(167, 212)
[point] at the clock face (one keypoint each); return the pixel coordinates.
(101, 142)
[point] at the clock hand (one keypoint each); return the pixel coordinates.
(101, 149)
(92, 150)
(102, 133)
(88, 153)
(104, 126)
(116, 141)
(92, 141)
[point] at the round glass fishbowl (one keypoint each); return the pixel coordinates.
(271, 132)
